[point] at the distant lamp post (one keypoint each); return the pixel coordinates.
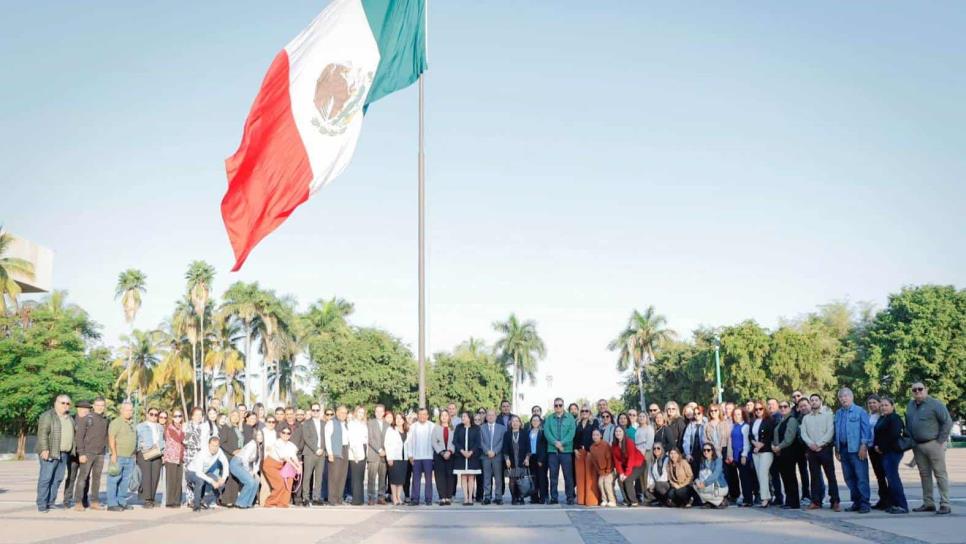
(550, 387)
(717, 365)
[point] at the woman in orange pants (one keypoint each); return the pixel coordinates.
(588, 492)
(281, 452)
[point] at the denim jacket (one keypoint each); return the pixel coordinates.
(852, 428)
(150, 435)
(717, 475)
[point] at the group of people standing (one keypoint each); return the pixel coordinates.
(763, 453)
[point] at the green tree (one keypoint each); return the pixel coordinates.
(227, 364)
(744, 353)
(131, 284)
(199, 277)
(803, 357)
(366, 367)
(519, 348)
(637, 345)
(144, 350)
(920, 336)
(247, 303)
(9, 266)
(470, 376)
(48, 355)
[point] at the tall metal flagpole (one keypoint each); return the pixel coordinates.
(422, 222)
(422, 250)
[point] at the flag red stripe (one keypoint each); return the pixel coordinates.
(269, 175)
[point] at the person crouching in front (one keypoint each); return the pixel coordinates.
(208, 470)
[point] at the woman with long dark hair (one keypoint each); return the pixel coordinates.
(466, 440)
(762, 435)
(629, 464)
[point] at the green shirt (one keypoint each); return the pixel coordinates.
(124, 436)
(66, 433)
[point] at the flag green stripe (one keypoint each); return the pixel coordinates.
(399, 27)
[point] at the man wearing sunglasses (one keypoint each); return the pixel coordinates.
(785, 446)
(559, 431)
(55, 441)
(929, 424)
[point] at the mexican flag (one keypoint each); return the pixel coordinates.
(302, 129)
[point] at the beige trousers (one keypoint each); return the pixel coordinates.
(931, 459)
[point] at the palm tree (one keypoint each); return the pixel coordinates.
(279, 338)
(130, 286)
(224, 359)
(9, 266)
(520, 347)
(200, 275)
(144, 353)
(245, 302)
(174, 366)
(646, 333)
(473, 346)
(328, 317)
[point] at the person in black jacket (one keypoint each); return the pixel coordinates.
(516, 455)
(762, 436)
(676, 425)
(469, 448)
(888, 430)
(537, 446)
(230, 444)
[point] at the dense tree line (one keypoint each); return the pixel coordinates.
(919, 335)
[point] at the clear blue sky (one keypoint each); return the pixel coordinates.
(721, 161)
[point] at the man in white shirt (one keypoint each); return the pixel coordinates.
(209, 468)
(358, 441)
(313, 456)
(419, 448)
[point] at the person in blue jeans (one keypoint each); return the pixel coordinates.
(122, 441)
(207, 472)
(244, 467)
(55, 441)
(888, 430)
(853, 436)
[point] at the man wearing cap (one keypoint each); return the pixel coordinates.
(83, 409)
(91, 440)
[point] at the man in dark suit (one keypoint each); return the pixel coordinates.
(505, 415)
(311, 435)
(491, 436)
(376, 456)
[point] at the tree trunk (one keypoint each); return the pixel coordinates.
(201, 388)
(184, 405)
(21, 443)
(640, 385)
(130, 357)
(194, 374)
(513, 386)
(248, 368)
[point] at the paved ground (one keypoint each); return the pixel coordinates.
(20, 522)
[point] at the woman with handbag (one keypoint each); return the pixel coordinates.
(150, 437)
(469, 447)
(711, 486)
(516, 455)
(173, 459)
(888, 432)
(281, 468)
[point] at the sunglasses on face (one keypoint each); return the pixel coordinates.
(783, 407)
(606, 416)
(153, 414)
(558, 405)
(270, 422)
(585, 411)
(759, 409)
(329, 414)
(654, 410)
(708, 450)
(315, 410)
(915, 389)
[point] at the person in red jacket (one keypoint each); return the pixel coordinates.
(629, 464)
